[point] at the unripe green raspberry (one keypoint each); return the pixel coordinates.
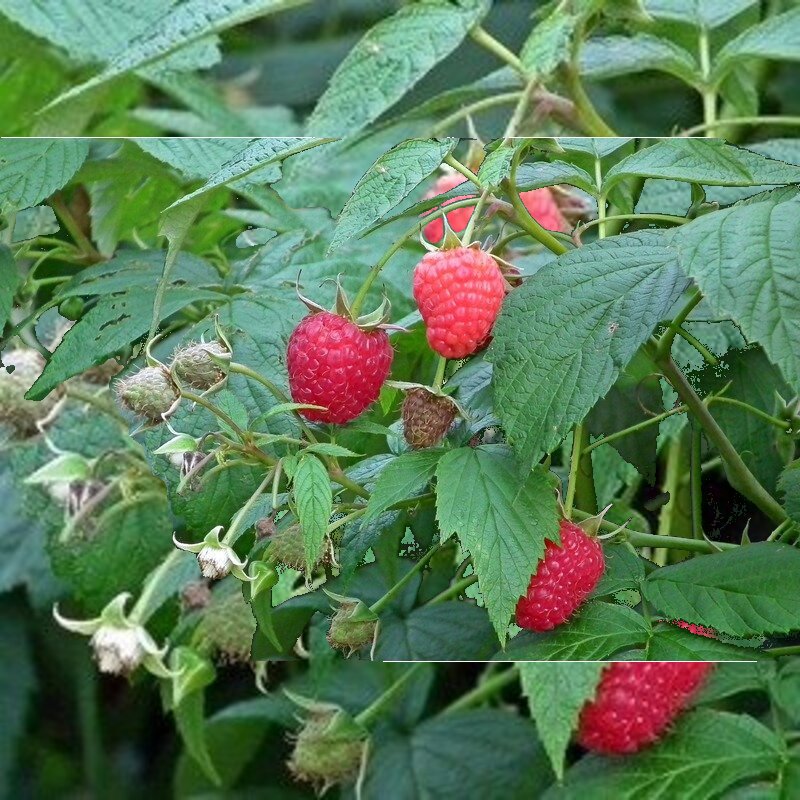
(325, 754)
(286, 548)
(193, 366)
(149, 392)
(227, 627)
(346, 633)
(16, 412)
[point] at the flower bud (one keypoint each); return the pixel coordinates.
(352, 627)
(149, 393)
(118, 651)
(215, 558)
(201, 366)
(16, 412)
(286, 548)
(329, 750)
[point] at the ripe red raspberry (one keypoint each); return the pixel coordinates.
(335, 364)
(459, 293)
(563, 580)
(457, 219)
(542, 206)
(699, 630)
(636, 701)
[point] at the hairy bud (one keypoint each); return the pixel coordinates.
(16, 412)
(286, 548)
(352, 627)
(201, 366)
(149, 393)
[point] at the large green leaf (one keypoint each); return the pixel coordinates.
(313, 497)
(776, 38)
(710, 162)
(389, 60)
(32, 169)
(501, 516)
(178, 28)
(556, 694)
(447, 757)
(749, 591)
(9, 281)
(671, 643)
(194, 159)
(789, 485)
(610, 56)
(702, 13)
(389, 180)
(564, 335)
(707, 752)
(597, 632)
(744, 260)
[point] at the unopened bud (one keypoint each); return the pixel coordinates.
(352, 627)
(149, 393)
(201, 366)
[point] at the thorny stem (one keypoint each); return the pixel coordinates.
(384, 601)
(739, 475)
(484, 690)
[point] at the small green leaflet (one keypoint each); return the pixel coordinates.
(748, 591)
(702, 13)
(181, 25)
(564, 335)
(789, 486)
(706, 752)
(744, 258)
(403, 477)
(711, 162)
(389, 60)
(502, 516)
(387, 182)
(549, 43)
(32, 169)
(556, 694)
(314, 500)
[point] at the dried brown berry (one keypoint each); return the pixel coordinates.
(426, 417)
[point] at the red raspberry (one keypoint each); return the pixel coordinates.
(541, 205)
(563, 580)
(333, 363)
(458, 219)
(636, 701)
(459, 293)
(699, 630)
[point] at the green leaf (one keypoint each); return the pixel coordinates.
(314, 499)
(671, 643)
(743, 259)
(194, 159)
(556, 694)
(114, 322)
(179, 27)
(389, 180)
(32, 222)
(501, 516)
(447, 757)
(597, 632)
(497, 164)
(260, 153)
(389, 60)
(749, 591)
(190, 720)
(9, 282)
(539, 174)
(702, 13)
(710, 162)
(707, 752)
(610, 56)
(624, 570)
(403, 477)
(32, 169)
(549, 43)
(564, 335)
(789, 487)
(777, 38)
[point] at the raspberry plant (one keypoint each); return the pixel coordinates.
(194, 513)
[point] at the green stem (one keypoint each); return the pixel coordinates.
(574, 462)
(520, 110)
(778, 423)
(344, 520)
(791, 650)
(389, 698)
(764, 120)
(463, 170)
(473, 220)
(488, 42)
(342, 479)
(94, 767)
(634, 428)
(613, 217)
(708, 92)
(664, 346)
(472, 108)
(201, 401)
(454, 590)
(140, 612)
(708, 356)
(484, 690)
(68, 221)
(739, 475)
(438, 379)
(232, 533)
(384, 601)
